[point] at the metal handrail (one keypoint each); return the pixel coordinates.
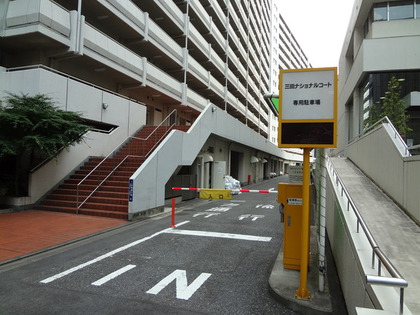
(114, 152)
(396, 279)
(395, 131)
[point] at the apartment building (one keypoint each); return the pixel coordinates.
(127, 64)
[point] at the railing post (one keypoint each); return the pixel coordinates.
(77, 199)
(401, 301)
(373, 258)
(379, 268)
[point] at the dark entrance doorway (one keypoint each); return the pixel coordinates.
(235, 160)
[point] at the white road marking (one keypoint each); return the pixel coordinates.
(253, 217)
(205, 214)
(109, 254)
(219, 209)
(113, 275)
(265, 206)
(168, 230)
(230, 205)
(183, 290)
(220, 235)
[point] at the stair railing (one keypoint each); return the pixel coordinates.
(101, 172)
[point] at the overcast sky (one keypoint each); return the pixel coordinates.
(319, 27)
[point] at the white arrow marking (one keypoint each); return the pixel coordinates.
(113, 275)
(253, 217)
(183, 290)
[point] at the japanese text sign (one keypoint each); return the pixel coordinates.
(308, 108)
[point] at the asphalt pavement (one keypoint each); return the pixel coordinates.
(226, 241)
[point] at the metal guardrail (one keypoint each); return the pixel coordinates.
(415, 149)
(396, 279)
(101, 178)
(396, 134)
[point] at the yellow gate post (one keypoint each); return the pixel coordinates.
(303, 293)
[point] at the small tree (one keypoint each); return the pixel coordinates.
(393, 107)
(374, 115)
(33, 124)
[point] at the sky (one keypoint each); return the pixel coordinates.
(319, 27)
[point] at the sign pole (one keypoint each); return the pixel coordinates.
(307, 120)
(303, 293)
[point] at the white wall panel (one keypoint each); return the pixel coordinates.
(392, 56)
(112, 50)
(85, 100)
(173, 11)
(46, 12)
(53, 85)
(161, 39)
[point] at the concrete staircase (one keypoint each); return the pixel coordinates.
(100, 186)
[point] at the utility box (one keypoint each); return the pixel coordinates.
(290, 196)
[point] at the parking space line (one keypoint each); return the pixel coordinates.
(109, 254)
(113, 275)
(220, 235)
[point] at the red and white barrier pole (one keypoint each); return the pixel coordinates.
(235, 190)
(256, 191)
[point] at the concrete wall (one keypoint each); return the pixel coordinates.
(345, 254)
(353, 256)
(397, 174)
(72, 95)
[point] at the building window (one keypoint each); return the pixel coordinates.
(401, 10)
(380, 12)
(396, 10)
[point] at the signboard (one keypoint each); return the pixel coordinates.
(130, 190)
(294, 201)
(295, 174)
(308, 108)
(219, 194)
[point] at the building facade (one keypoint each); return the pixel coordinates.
(126, 64)
(382, 41)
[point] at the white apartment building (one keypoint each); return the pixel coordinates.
(125, 64)
(285, 54)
